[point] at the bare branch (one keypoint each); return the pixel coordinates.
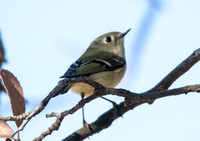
(54, 126)
(162, 85)
(183, 67)
(106, 119)
(45, 101)
(132, 100)
(14, 118)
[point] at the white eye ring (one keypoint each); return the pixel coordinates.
(108, 39)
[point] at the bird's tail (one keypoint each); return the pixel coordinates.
(64, 90)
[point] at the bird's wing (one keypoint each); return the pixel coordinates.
(104, 61)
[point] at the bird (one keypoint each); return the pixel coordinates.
(103, 62)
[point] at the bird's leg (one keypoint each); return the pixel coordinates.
(83, 115)
(114, 103)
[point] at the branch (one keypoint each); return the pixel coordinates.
(27, 117)
(105, 120)
(54, 126)
(129, 104)
(14, 118)
(182, 68)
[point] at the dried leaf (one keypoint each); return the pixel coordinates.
(5, 130)
(15, 93)
(8, 139)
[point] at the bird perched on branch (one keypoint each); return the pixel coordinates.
(103, 61)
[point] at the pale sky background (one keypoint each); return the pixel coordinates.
(43, 37)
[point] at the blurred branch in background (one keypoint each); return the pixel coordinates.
(2, 52)
(138, 45)
(2, 60)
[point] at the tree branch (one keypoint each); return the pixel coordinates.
(132, 100)
(106, 119)
(130, 103)
(182, 68)
(45, 101)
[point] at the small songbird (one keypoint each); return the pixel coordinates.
(103, 61)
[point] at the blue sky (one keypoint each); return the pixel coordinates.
(42, 39)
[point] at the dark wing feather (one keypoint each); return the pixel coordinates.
(72, 69)
(104, 61)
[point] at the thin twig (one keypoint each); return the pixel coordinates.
(14, 118)
(54, 126)
(45, 101)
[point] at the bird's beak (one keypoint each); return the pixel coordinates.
(123, 34)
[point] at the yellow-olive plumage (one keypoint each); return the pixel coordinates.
(103, 62)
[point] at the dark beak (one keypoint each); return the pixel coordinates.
(123, 34)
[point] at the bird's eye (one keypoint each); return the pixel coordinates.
(108, 39)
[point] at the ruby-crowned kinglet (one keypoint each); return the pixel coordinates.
(103, 61)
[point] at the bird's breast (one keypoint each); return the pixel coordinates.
(107, 78)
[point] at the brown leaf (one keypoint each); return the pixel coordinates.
(15, 93)
(8, 139)
(5, 130)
